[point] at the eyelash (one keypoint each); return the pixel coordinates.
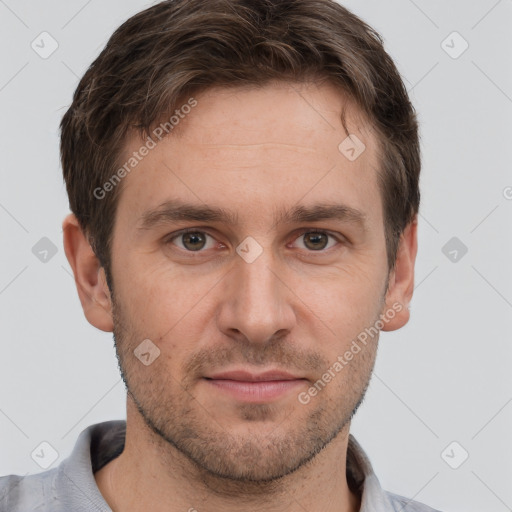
(338, 238)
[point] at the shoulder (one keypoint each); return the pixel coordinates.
(27, 493)
(71, 485)
(403, 504)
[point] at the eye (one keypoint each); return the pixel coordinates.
(316, 240)
(192, 240)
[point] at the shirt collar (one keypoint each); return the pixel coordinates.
(362, 479)
(100, 443)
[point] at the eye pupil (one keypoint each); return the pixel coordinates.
(196, 240)
(314, 238)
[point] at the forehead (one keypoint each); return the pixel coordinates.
(249, 148)
(295, 111)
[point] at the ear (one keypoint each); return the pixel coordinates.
(89, 275)
(401, 279)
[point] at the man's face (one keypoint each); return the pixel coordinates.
(211, 306)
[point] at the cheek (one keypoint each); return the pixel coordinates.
(154, 287)
(345, 301)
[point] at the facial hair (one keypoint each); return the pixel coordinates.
(242, 458)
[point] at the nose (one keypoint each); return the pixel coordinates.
(257, 303)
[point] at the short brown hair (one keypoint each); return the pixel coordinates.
(178, 48)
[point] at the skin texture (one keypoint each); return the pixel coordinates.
(296, 307)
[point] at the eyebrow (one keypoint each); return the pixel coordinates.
(179, 211)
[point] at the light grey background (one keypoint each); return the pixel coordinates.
(444, 377)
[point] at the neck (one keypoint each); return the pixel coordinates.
(151, 474)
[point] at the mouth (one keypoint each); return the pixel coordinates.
(250, 387)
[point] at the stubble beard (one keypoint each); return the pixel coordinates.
(251, 460)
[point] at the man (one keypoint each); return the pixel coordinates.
(243, 177)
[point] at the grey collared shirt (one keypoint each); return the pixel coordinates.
(71, 487)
